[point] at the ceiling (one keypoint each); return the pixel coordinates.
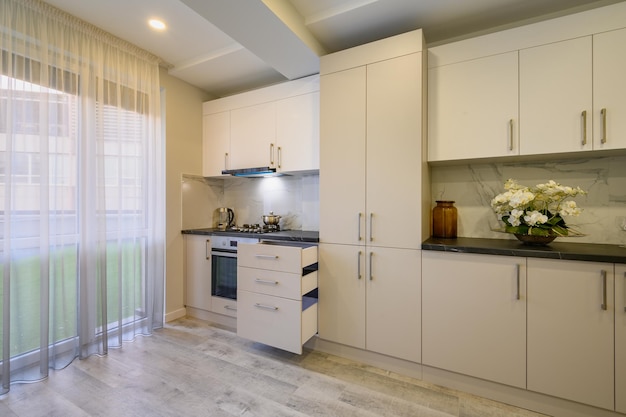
(229, 46)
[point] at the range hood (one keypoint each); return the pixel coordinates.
(251, 172)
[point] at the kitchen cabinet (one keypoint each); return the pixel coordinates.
(297, 133)
(556, 97)
(571, 330)
(474, 315)
(253, 136)
(609, 90)
(198, 271)
(275, 126)
(215, 143)
(620, 337)
(385, 280)
(371, 150)
(473, 108)
(276, 302)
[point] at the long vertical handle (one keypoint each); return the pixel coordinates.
(280, 157)
(371, 275)
(517, 282)
(510, 134)
(584, 117)
(358, 265)
(226, 160)
(359, 226)
(207, 246)
(603, 275)
(371, 233)
(271, 154)
(603, 113)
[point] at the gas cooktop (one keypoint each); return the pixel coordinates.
(255, 228)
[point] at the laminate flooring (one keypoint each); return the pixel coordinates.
(194, 368)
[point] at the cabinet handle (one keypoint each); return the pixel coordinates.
(371, 276)
(207, 245)
(265, 307)
(624, 292)
(510, 134)
(280, 156)
(603, 113)
(226, 160)
(603, 305)
(359, 226)
(584, 117)
(265, 281)
(371, 232)
(227, 307)
(266, 256)
(358, 265)
(272, 154)
(517, 282)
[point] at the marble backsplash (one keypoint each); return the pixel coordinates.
(295, 198)
(472, 186)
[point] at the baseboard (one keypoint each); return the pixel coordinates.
(227, 322)
(176, 314)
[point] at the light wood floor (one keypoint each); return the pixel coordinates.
(192, 368)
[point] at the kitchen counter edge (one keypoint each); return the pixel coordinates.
(310, 236)
(590, 252)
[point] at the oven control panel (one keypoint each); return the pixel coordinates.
(229, 243)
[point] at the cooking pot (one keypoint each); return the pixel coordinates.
(271, 219)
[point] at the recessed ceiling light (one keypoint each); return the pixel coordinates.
(156, 24)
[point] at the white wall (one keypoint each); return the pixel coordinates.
(183, 130)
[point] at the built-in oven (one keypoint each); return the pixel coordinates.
(224, 272)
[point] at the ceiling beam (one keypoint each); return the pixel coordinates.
(258, 29)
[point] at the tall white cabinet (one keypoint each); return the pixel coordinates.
(620, 337)
(371, 157)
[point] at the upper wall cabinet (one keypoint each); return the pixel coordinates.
(609, 90)
(276, 127)
(554, 87)
(472, 108)
(555, 97)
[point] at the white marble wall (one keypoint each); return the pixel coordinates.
(473, 186)
(295, 198)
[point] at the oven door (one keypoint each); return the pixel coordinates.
(224, 274)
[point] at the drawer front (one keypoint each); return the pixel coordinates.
(276, 257)
(273, 321)
(224, 306)
(281, 284)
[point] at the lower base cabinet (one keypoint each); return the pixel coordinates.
(571, 331)
(620, 338)
(474, 315)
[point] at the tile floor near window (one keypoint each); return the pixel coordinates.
(192, 368)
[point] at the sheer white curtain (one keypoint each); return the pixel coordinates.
(81, 191)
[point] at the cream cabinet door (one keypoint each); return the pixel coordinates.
(556, 97)
(342, 294)
(394, 153)
(342, 157)
(253, 136)
(474, 315)
(298, 133)
(198, 271)
(620, 338)
(393, 315)
(571, 330)
(215, 143)
(609, 90)
(473, 109)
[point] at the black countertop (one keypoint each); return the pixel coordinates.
(285, 235)
(508, 247)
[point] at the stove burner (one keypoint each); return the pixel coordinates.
(256, 228)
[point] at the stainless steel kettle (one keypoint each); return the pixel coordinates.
(226, 218)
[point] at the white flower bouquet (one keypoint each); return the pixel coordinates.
(538, 210)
